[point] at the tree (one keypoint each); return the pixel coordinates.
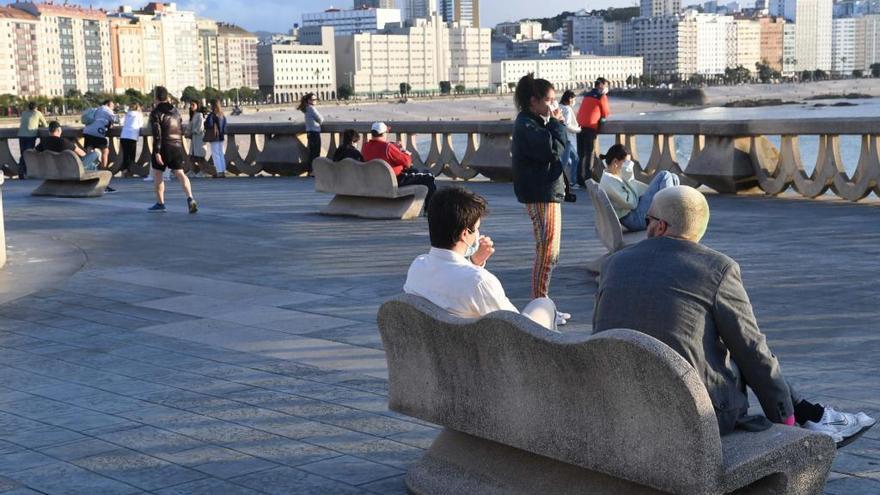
(511, 86)
(697, 80)
(736, 75)
(459, 88)
(819, 75)
(875, 70)
(765, 73)
(190, 93)
(344, 92)
(405, 88)
(858, 74)
(806, 75)
(135, 96)
(445, 87)
(210, 93)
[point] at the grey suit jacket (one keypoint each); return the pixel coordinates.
(692, 298)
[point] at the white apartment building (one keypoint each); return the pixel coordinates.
(348, 22)
(74, 48)
(287, 71)
(843, 46)
(566, 73)
(813, 21)
(789, 53)
(528, 30)
(421, 55)
(746, 44)
(867, 42)
(659, 8)
(236, 65)
(208, 31)
(19, 47)
(715, 43)
(667, 45)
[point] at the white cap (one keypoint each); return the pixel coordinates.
(379, 128)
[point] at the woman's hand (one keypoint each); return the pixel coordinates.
(557, 114)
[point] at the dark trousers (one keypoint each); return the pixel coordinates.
(411, 177)
(314, 140)
(129, 153)
(585, 140)
(24, 144)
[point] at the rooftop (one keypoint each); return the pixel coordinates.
(236, 350)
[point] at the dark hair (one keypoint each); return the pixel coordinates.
(135, 105)
(452, 210)
(527, 88)
(32, 105)
(106, 102)
(304, 102)
(567, 96)
(161, 93)
(350, 136)
(54, 126)
(599, 81)
(615, 152)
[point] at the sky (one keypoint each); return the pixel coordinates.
(280, 15)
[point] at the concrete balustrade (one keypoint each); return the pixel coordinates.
(727, 156)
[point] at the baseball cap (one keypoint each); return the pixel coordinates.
(380, 128)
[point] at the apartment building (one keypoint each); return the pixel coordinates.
(348, 22)
(19, 46)
(843, 46)
(127, 54)
(287, 71)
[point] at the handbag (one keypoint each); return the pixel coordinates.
(212, 131)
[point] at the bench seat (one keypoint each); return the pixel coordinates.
(64, 176)
(608, 228)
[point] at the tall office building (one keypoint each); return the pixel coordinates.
(418, 9)
(348, 22)
(771, 41)
(658, 8)
(465, 12)
(19, 47)
(667, 45)
(812, 19)
(843, 46)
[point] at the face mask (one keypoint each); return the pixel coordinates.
(628, 167)
(472, 248)
(554, 105)
(604, 90)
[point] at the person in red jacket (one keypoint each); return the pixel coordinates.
(593, 112)
(400, 160)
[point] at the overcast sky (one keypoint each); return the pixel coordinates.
(280, 15)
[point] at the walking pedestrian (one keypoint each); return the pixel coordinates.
(28, 130)
(593, 112)
(215, 131)
(168, 153)
(538, 179)
(196, 133)
(131, 132)
(313, 120)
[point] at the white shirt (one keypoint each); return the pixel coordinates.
(131, 127)
(453, 283)
(571, 125)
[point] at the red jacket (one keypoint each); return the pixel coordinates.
(375, 149)
(593, 107)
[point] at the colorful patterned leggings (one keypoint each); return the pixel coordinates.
(547, 222)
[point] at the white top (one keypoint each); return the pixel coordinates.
(452, 282)
(313, 119)
(571, 124)
(131, 127)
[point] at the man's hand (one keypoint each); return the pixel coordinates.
(158, 159)
(484, 252)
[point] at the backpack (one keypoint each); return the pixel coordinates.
(88, 116)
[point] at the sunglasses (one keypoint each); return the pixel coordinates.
(648, 219)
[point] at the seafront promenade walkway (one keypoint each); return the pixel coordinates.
(236, 352)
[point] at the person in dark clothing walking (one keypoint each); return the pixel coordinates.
(348, 147)
(592, 113)
(168, 151)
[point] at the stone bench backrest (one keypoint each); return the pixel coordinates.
(349, 177)
(619, 402)
(607, 224)
(50, 165)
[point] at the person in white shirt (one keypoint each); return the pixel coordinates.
(629, 197)
(131, 132)
(572, 129)
(453, 275)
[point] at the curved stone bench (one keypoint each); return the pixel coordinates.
(608, 227)
(366, 190)
(528, 411)
(63, 175)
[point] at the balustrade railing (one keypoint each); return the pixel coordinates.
(727, 156)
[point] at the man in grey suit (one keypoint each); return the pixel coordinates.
(692, 298)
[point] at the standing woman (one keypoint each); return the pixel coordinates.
(313, 127)
(131, 132)
(215, 131)
(570, 160)
(538, 181)
(196, 136)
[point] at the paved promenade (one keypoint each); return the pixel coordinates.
(235, 351)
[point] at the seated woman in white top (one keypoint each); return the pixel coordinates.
(629, 197)
(453, 275)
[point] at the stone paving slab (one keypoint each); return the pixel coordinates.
(236, 351)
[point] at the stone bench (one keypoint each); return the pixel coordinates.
(608, 227)
(529, 411)
(366, 190)
(63, 175)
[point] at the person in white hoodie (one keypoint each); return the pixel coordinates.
(572, 129)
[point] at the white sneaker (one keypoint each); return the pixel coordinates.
(562, 318)
(148, 178)
(838, 425)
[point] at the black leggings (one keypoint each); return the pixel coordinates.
(129, 153)
(314, 141)
(413, 177)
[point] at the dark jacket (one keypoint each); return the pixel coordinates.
(536, 149)
(166, 125)
(347, 151)
(213, 121)
(692, 299)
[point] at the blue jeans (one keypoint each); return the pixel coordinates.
(635, 220)
(90, 161)
(569, 161)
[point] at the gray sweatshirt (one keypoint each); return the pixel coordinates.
(313, 119)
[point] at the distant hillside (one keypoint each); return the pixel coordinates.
(553, 23)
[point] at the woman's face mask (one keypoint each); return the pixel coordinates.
(626, 170)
